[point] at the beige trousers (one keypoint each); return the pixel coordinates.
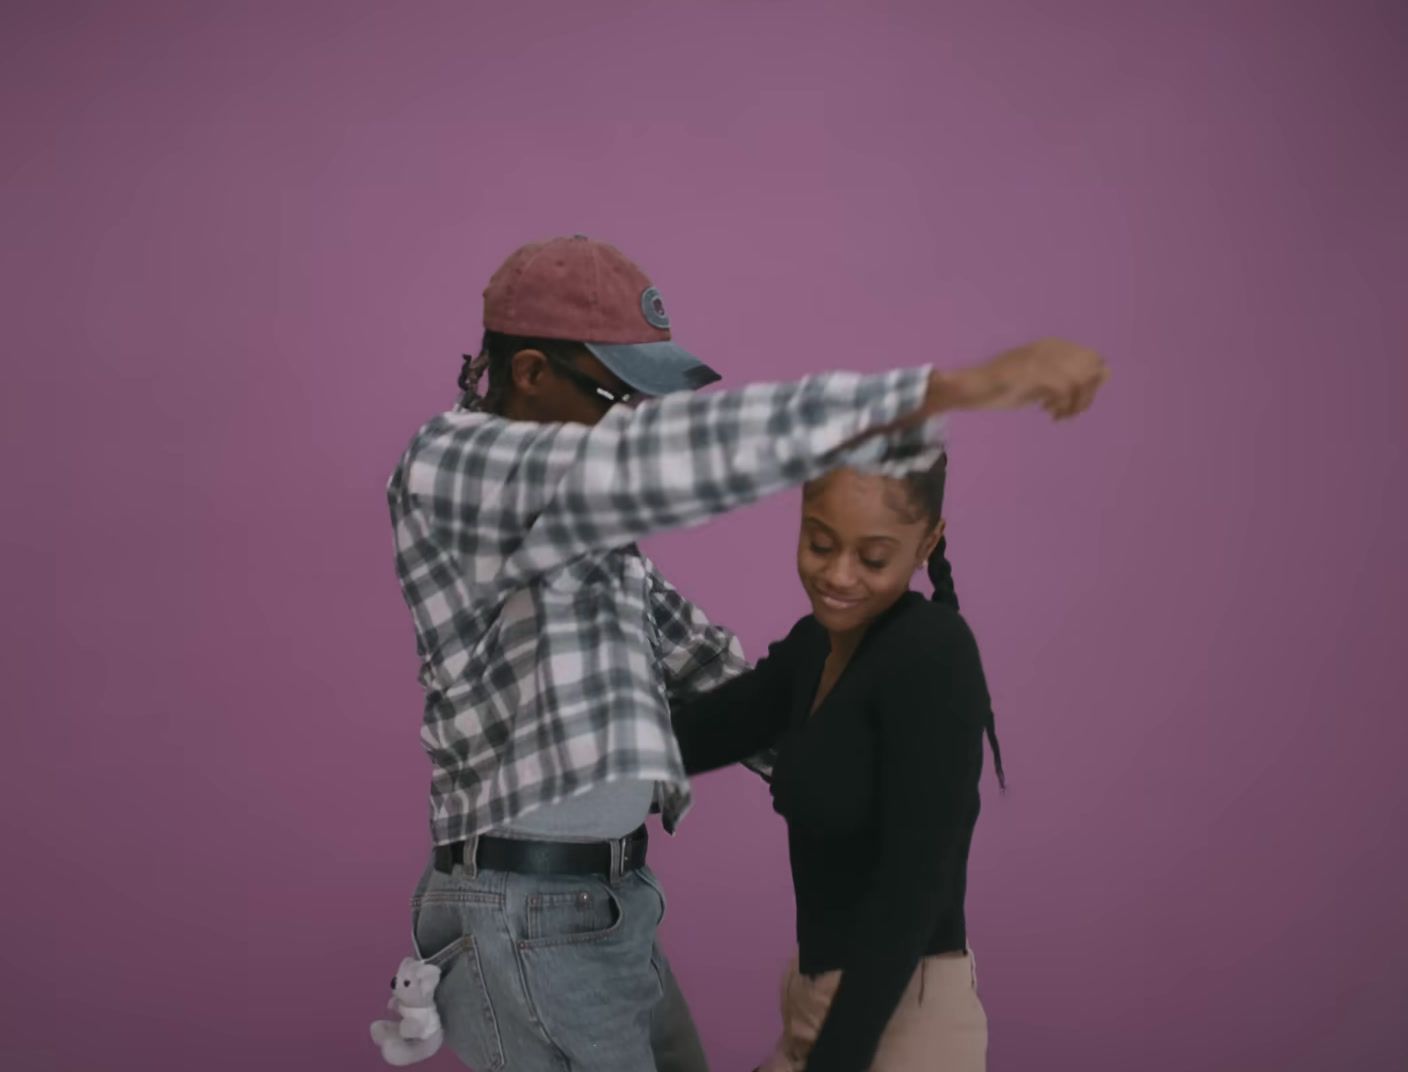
(938, 1026)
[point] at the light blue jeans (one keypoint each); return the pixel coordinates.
(556, 973)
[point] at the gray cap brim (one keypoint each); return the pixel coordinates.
(654, 368)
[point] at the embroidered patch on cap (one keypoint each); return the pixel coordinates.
(653, 306)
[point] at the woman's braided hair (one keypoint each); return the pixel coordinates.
(925, 492)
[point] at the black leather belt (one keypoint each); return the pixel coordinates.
(525, 857)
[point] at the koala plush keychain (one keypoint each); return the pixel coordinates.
(418, 1034)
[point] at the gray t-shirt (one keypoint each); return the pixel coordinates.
(609, 810)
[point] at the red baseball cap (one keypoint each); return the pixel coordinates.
(580, 290)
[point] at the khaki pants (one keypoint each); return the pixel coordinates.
(939, 1024)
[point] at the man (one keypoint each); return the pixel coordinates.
(551, 647)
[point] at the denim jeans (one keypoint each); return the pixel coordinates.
(559, 973)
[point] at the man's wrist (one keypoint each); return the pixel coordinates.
(945, 391)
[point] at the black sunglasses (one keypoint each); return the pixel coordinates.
(588, 386)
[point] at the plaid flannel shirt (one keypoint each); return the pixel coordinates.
(550, 647)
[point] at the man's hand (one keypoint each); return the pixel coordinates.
(1059, 376)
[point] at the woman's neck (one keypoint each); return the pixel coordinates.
(845, 643)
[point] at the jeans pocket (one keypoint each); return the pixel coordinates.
(443, 937)
(647, 876)
(590, 912)
(587, 957)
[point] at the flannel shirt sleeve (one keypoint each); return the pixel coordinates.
(695, 654)
(520, 499)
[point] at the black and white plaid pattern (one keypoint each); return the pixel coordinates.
(550, 647)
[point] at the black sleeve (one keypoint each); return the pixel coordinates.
(739, 718)
(929, 715)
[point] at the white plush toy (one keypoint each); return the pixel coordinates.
(418, 1034)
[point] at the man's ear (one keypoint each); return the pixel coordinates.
(528, 368)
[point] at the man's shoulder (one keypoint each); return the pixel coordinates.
(454, 422)
(448, 437)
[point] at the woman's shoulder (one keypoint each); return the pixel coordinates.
(927, 652)
(920, 622)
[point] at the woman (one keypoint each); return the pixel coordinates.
(874, 709)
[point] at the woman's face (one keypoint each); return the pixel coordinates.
(861, 540)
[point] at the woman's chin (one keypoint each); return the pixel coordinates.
(836, 616)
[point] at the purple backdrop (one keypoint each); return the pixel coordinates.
(243, 249)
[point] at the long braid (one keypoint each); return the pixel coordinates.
(471, 373)
(941, 574)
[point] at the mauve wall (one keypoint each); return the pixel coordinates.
(243, 247)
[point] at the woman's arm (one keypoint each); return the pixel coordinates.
(739, 718)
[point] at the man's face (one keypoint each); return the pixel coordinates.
(561, 387)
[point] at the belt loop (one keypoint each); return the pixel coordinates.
(470, 865)
(973, 967)
(618, 859)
